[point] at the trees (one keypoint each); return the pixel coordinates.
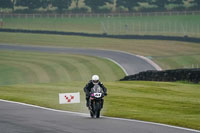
(34, 4)
(45, 3)
(61, 4)
(101, 5)
(6, 4)
(130, 4)
(179, 4)
(160, 4)
(76, 1)
(96, 4)
(196, 4)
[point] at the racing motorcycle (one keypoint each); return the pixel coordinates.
(96, 101)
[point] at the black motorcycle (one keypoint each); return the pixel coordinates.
(96, 101)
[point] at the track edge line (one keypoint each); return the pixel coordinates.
(114, 118)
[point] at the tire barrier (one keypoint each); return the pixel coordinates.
(191, 75)
(104, 35)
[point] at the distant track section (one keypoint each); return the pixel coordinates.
(131, 64)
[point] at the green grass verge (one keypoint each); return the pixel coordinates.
(33, 67)
(179, 61)
(167, 54)
(171, 103)
(152, 25)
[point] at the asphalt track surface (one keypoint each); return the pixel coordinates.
(131, 64)
(22, 118)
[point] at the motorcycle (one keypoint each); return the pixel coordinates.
(96, 101)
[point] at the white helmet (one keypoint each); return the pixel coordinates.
(95, 79)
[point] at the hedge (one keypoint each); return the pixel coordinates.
(191, 75)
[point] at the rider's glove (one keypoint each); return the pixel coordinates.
(105, 94)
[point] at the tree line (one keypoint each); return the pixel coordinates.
(96, 6)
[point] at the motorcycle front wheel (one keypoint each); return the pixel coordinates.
(91, 114)
(97, 109)
(97, 113)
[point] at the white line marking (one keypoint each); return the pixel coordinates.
(150, 62)
(113, 118)
(156, 66)
(116, 64)
(35, 106)
(153, 123)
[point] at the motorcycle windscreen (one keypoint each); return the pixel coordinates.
(96, 89)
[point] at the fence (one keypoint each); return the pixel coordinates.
(113, 24)
(140, 27)
(1, 23)
(69, 15)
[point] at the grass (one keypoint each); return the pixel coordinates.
(171, 103)
(160, 25)
(27, 67)
(179, 61)
(167, 54)
(37, 78)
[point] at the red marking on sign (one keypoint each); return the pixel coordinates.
(69, 99)
(72, 97)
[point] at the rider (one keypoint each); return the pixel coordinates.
(90, 84)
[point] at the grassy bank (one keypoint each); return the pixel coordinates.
(36, 67)
(167, 54)
(170, 103)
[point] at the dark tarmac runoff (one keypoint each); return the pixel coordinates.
(19, 118)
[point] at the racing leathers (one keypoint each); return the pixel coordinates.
(89, 86)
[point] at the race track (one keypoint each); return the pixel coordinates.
(20, 118)
(131, 64)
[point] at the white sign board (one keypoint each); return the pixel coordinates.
(67, 98)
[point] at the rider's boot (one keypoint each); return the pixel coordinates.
(102, 101)
(87, 102)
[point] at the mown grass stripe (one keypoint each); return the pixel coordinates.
(18, 73)
(54, 71)
(11, 72)
(61, 67)
(97, 63)
(106, 69)
(41, 75)
(93, 67)
(82, 69)
(76, 60)
(71, 70)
